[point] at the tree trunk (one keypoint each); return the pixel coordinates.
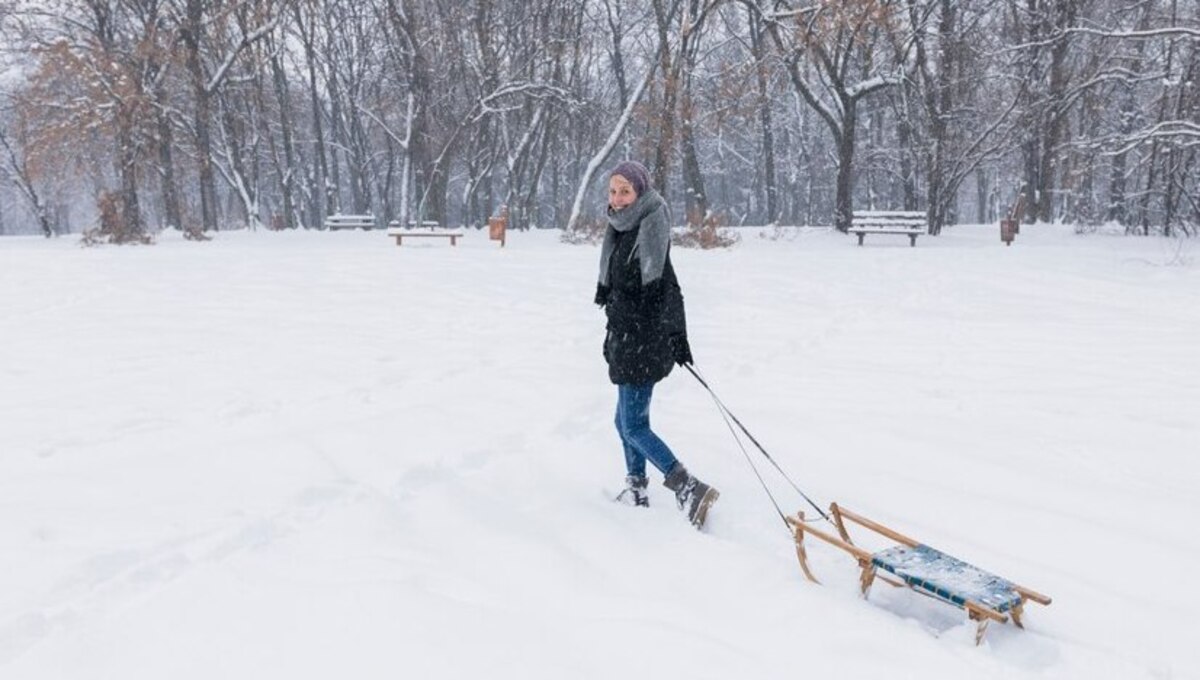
(981, 196)
(1055, 113)
(843, 210)
(770, 186)
(905, 137)
(696, 202)
(238, 176)
(1174, 160)
(333, 186)
(132, 227)
(166, 166)
(24, 183)
(666, 122)
(429, 181)
(939, 101)
(616, 53)
(287, 174)
(192, 35)
(319, 207)
(1117, 210)
(1116, 180)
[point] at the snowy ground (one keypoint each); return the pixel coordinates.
(316, 455)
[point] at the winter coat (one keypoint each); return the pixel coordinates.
(640, 294)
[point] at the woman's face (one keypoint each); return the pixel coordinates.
(620, 192)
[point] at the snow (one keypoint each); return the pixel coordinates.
(316, 455)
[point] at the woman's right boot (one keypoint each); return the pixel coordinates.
(692, 495)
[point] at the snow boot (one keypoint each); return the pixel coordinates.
(635, 492)
(692, 495)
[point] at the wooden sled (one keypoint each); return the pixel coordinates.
(985, 596)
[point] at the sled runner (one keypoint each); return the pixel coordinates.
(985, 596)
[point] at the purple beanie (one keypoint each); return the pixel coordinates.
(635, 172)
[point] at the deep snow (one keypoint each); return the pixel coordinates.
(317, 455)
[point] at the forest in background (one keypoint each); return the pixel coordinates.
(202, 115)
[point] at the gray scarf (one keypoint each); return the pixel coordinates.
(649, 211)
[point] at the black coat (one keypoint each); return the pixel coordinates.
(642, 319)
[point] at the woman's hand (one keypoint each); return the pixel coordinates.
(681, 351)
(601, 294)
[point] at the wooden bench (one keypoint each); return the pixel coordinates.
(909, 223)
(334, 222)
(413, 224)
(398, 233)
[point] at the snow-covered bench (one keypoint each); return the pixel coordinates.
(335, 222)
(907, 222)
(413, 224)
(398, 233)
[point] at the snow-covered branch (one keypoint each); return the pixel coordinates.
(247, 40)
(603, 153)
(1147, 34)
(1185, 133)
(533, 90)
(870, 85)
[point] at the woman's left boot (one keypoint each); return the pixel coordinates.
(635, 492)
(693, 496)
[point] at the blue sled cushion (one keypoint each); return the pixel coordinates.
(947, 578)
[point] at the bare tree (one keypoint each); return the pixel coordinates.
(213, 40)
(834, 58)
(285, 111)
(18, 172)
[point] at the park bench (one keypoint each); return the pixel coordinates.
(334, 222)
(423, 229)
(909, 223)
(985, 597)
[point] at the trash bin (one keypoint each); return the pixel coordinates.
(498, 225)
(1008, 231)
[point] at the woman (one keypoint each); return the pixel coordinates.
(647, 332)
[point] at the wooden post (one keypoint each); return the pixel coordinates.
(878, 528)
(837, 520)
(867, 578)
(801, 554)
(1032, 595)
(981, 628)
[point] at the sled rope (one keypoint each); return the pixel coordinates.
(727, 415)
(753, 467)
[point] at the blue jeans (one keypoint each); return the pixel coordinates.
(633, 424)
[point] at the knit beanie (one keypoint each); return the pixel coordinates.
(636, 173)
